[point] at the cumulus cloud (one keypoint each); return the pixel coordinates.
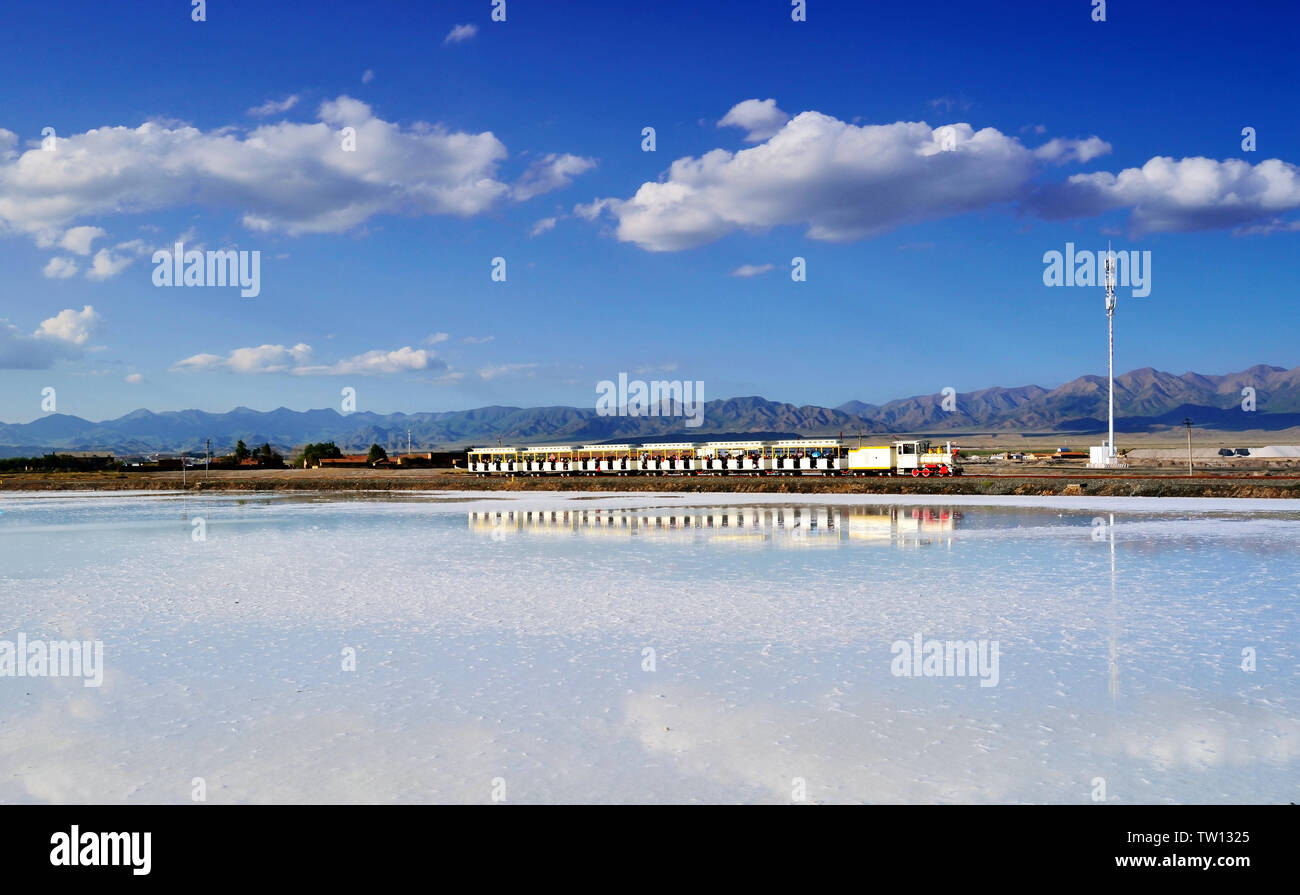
(460, 33)
(134, 378)
(106, 265)
(759, 118)
(295, 360)
(78, 239)
(286, 176)
(840, 181)
(550, 173)
(61, 336)
(60, 268)
(1181, 195)
(272, 107)
(843, 182)
(543, 226)
(436, 338)
(69, 326)
(752, 270)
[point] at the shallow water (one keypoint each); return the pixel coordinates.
(652, 648)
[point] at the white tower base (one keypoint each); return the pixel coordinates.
(1102, 456)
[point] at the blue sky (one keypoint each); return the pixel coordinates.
(924, 257)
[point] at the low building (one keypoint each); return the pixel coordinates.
(347, 461)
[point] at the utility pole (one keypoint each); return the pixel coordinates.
(183, 470)
(207, 459)
(1187, 423)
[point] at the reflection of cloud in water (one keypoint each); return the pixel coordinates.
(520, 657)
(871, 751)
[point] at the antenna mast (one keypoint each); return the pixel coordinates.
(1110, 326)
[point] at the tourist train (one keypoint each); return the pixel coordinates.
(803, 456)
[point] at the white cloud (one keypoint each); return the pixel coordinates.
(284, 176)
(948, 103)
(262, 359)
(134, 378)
(61, 336)
(595, 208)
(135, 247)
(20, 352)
(752, 270)
(651, 369)
(477, 340)
(69, 326)
(106, 265)
(839, 181)
(543, 226)
(1181, 195)
(377, 362)
(759, 118)
(271, 107)
(367, 76)
(436, 338)
(1276, 225)
(295, 360)
(8, 140)
(60, 268)
(78, 239)
(460, 33)
(550, 173)
(496, 372)
(1061, 151)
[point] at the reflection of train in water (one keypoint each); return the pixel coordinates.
(776, 525)
(796, 457)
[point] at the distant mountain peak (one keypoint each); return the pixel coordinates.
(1147, 398)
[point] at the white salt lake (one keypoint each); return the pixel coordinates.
(651, 648)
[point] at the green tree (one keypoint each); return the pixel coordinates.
(311, 453)
(241, 451)
(376, 454)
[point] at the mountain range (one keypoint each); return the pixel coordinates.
(1145, 400)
